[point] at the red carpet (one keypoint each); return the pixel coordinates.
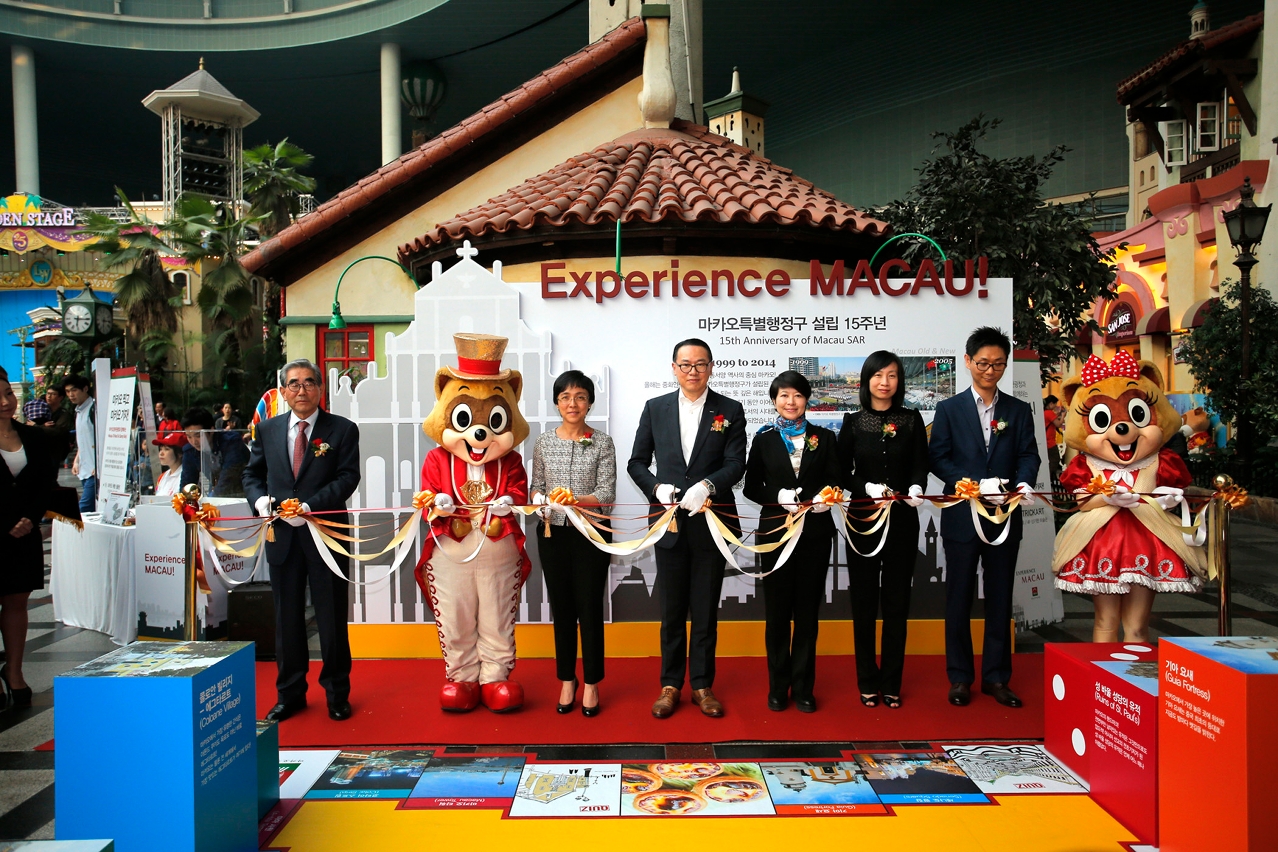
(396, 703)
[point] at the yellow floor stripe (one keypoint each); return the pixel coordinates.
(1038, 823)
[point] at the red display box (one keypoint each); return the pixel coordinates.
(1218, 743)
(1068, 700)
(1125, 757)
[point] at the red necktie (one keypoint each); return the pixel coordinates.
(299, 448)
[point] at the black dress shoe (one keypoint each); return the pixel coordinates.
(339, 710)
(1002, 694)
(777, 702)
(806, 704)
(285, 709)
(567, 708)
(960, 694)
(591, 711)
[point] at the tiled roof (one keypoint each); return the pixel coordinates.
(458, 139)
(1192, 47)
(682, 175)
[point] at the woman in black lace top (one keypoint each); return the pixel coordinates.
(882, 449)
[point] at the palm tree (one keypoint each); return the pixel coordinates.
(272, 183)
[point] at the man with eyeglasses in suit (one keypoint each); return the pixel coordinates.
(698, 440)
(313, 456)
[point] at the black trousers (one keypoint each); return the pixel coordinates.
(793, 594)
(883, 580)
(999, 564)
(689, 583)
(329, 597)
(576, 576)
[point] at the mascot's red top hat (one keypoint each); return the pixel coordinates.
(479, 357)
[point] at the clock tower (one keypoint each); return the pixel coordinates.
(86, 319)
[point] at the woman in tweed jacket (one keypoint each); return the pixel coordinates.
(582, 459)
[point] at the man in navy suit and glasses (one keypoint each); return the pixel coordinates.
(313, 456)
(698, 439)
(987, 436)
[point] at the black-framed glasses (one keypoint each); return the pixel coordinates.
(309, 384)
(699, 366)
(986, 366)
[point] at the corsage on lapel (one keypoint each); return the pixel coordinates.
(718, 423)
(889, 430)
(997, 425)
(319, 448)
(585, 440)
(812, 442)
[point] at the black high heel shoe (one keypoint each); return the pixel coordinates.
(18, 697)
(590, 711)
(567, 708)
(870, 700)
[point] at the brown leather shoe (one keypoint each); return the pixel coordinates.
(665, 705)
(960, 694)
(1002, 694)
(705, 699)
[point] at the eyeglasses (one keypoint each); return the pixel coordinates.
(309, 384)
(580, 399)
(700, 366)
(986, 366)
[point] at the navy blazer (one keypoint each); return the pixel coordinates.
(324, 482)
(717, 456)
(957, 451)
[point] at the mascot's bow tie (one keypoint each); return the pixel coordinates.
(1121, 477)
(1122, 364)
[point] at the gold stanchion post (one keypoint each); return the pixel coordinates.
(191, 588)
(1220, 509)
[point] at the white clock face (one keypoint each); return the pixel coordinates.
(78, 319)
(105, 321)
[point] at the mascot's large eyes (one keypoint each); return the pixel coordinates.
(462, 417)
(498, 419)
(1098, 418)
(1139, 411)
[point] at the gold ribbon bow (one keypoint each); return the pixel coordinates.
(1100, 485)
(967, 489)
(1234, 495)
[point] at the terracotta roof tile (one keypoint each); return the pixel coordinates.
(454, 140)
(1194, 46)
(684, 174)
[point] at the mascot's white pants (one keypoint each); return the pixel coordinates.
(475, 605)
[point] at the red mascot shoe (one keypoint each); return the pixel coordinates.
(503, 696)
(459, 697)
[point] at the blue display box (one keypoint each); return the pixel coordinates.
(268, 767)
(157, 748)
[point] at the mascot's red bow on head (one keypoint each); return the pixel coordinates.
(473, 562)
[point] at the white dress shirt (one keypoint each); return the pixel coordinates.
(293, 420)
(985, 413)
(85, 439)
(689, 419)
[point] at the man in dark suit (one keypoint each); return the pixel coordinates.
(987, 436)
(313, 456)
(698, 438)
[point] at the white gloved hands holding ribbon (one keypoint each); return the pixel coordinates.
(916, 496)
(788, 498)
(876, 491)
(263, 507)
(1168, 496)
(694, 499)
(299, 520)
(665, 494)
(992, 490)
(444, 505)
(1123, 498)
(1027, 494)
(544, 509)
(502, 506)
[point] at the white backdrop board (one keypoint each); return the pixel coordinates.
(113, 458)
(621, 332)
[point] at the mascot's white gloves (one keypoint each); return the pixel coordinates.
(1123, 498)
(916, 496)
(875, 490)
(1027, 494)
(694, 499)
(444, 504)
(299, 520)
(539, 499)
(1168, 497)
(992, 490)
(501, 507)
(666, 493)
(263, 507)
(789, 499)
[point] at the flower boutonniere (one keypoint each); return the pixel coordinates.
(586, 440)
(889, 430)
(319, 448)
(812, 442)
(719, 422)
(997, 425)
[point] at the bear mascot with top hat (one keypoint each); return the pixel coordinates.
(1123, 545)
(473, 562)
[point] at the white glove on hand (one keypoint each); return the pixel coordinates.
(1169, 497)
(992, 490)
(539, 499)
(666, 493)
(1123, 498)
(789, 499)
(916, 496)
(820, 506)
(875, 490)
(299, 521)
(1027, 494)
(694, 499)
(263, 507)
(501, 507)
(444, 504)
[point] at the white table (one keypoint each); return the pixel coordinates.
(92, 580)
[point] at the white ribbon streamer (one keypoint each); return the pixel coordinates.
(842, 512)
(722, 543)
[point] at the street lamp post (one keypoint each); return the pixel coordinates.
(337, 322)
(1246, 225)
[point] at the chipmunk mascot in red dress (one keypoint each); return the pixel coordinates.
(1120, 548)
(473, 562)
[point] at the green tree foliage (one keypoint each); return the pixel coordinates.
(974, 205)
(272, 182)
(1213, 352)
